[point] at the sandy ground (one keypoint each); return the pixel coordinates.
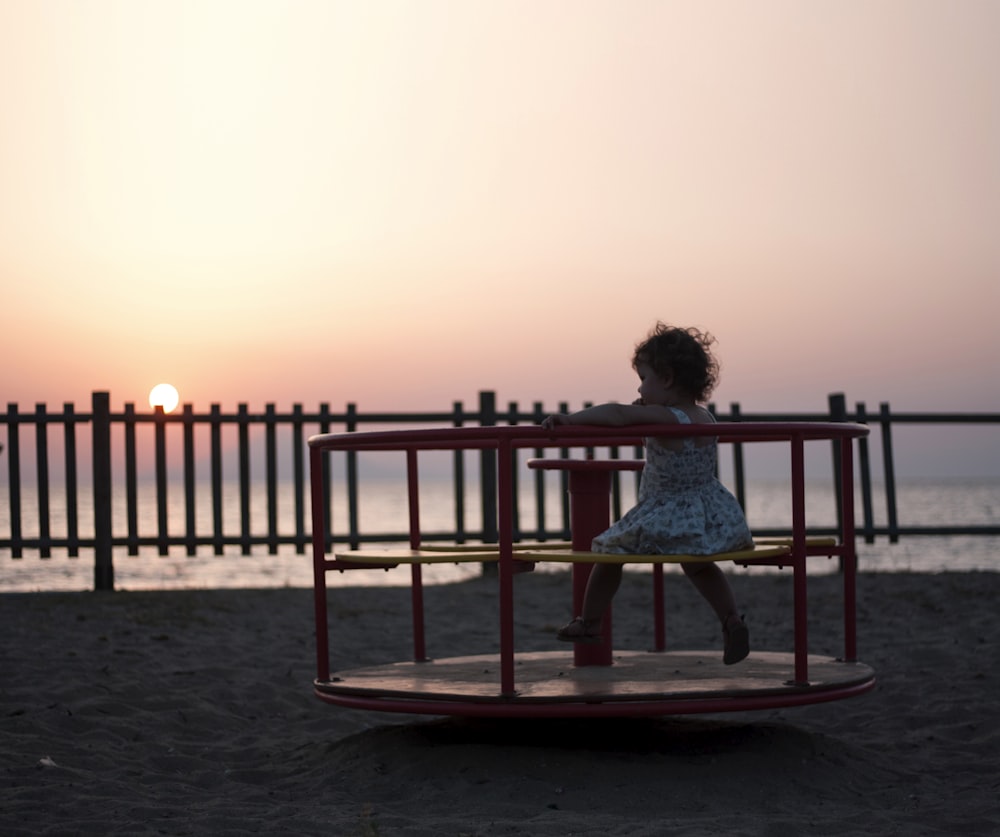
(192, 713)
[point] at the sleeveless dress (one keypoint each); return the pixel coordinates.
(682, 507)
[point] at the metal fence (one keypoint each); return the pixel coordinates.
(121, 446)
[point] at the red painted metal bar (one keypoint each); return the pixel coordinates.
(416, 572)
(319, 563)
(413, 496)
(505, 524)
(700, 705)
(849, 557)
(590, 495)
(590, 514)
(417, 600)
(506, 440)
(798, 559)
(524, 436)
(659, 611)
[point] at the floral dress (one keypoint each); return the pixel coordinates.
(682, 509)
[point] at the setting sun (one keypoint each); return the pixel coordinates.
(164, 395)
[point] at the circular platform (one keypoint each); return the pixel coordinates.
(637, 683)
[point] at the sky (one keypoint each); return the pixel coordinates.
(400, 204)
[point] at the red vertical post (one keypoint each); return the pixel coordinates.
(799, 560)
(505, 531)
(850, 557)
(590, 514)
(416, 574)
(659, 610)
(319, 563)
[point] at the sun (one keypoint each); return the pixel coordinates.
(164, 395)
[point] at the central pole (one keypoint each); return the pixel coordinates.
(590, 514)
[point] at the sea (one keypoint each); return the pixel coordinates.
(383, 508)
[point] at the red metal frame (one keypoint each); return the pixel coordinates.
(609, 709)
(589, 489)
(506, 440)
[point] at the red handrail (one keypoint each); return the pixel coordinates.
(507, 439)
(525, 436)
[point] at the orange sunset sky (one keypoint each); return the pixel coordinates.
(402, 203)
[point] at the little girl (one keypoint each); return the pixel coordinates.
(682, 508)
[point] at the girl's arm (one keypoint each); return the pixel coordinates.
(615, 415)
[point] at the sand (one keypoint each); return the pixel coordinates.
(192, 713)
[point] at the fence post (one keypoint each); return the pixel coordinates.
(351, 426)
(458, 470)
(190, 525)
(885, 418)
(324, 427)
(739, 473)
(162, 520)
(838, 412)
(100, 423)
(298, 450)
(271, 469)
(42, 475)
(538, 414)
(515, 514)
(131, 479)
(14, 479)
(243, 434)
(72, 525)
(216, 453)
(864, 462)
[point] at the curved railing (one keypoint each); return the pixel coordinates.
(506, 440)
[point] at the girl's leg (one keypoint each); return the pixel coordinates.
(602, 585)
(711, 582)
(601, 588)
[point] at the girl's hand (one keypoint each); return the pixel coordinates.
(555, 420)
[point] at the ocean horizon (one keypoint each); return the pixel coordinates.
(383, 508)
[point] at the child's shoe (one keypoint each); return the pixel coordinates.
(737, 637)
(581, 630)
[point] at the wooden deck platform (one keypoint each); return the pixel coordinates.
(637, 683)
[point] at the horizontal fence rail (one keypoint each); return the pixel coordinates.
(113, 442)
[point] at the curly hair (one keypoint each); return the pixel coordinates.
(683, 352)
